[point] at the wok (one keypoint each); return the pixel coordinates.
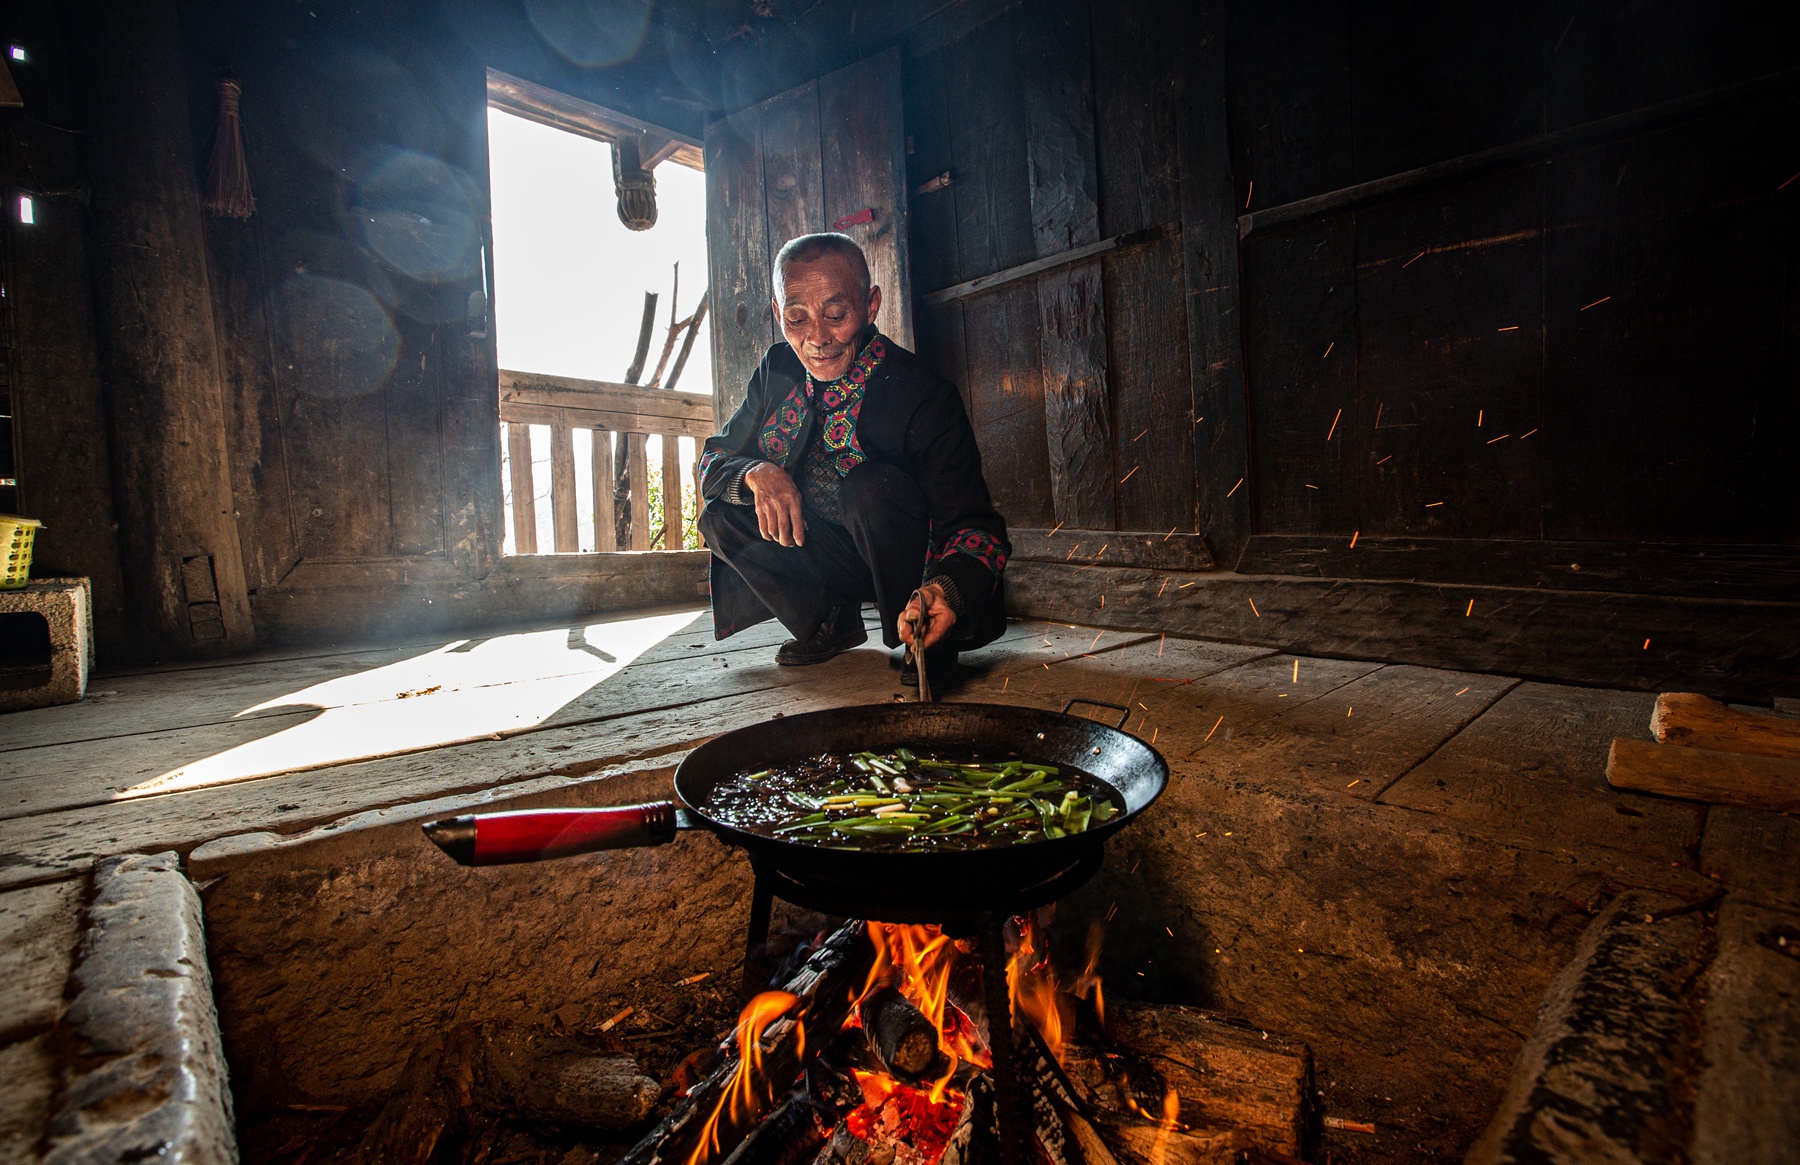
(888, 885)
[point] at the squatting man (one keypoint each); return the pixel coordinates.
(849, 475)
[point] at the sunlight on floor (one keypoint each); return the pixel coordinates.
(463, 691)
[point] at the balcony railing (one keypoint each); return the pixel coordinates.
(565, 404)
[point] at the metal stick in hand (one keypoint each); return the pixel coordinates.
(916, 652)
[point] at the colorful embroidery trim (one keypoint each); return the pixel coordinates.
(839, 404)
(977, 544)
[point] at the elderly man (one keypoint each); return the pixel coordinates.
(849, 474)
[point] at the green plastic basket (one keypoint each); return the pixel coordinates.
(16, 536)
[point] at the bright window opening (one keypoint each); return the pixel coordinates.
(27, 209)
(570, 281)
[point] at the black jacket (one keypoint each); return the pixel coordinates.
(907, 416)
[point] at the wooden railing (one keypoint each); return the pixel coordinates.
(565, 404)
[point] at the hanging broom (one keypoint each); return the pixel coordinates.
(227, 177)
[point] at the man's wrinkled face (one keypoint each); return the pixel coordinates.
(822, 311)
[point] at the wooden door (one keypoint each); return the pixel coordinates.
(804, 161)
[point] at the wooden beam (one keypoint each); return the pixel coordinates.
(534, 102)
(562, 486)
(1699, 570)
(671, 491)
(640, 492)
(605, 522)
(1522, 153)
(524, 505)
(1702, 774)
(531, 397)
(1689, 720)
(1036, 267)
(1150, 550)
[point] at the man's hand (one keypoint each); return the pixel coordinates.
(938, 616)
(777, 504)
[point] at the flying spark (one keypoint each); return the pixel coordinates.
(1479, 415)
(1253, 607)
(1053, 530)
(1161, 589)
(1464, 690)
(1215, 728)
(1127, 477)
(1249, 194)
(1514, 328)
(1328, 349)
(1598, 302)
(1428, 505)
(1522, 436)
(1171, 533)
(1412, 260)
(1646, 645)
(1234, 489)
(1386, 459)
(1296, 671)
(1501, 437)
(1334, 423)
(1784, 185)
(1354, 535)
(1471, 609)
(1140, 436)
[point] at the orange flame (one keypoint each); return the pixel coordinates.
(1032, 983)
(1088, 982)
(1171, 1113)
(919, 960)
(741, 1097)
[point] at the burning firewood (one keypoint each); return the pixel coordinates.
(530, 1073)
(899, 1034)
(776, 1036)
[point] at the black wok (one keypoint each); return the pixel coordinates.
(889, 885)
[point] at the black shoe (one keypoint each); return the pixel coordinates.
(940, 668)
(841, 630)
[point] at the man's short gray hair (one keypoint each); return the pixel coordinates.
(812, 248)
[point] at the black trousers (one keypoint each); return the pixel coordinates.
(877, 554)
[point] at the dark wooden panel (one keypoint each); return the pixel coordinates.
(737, 251)
(987, 122)
(413, 428)
(1158, 549)
(1668, 411)
(1447, 396)
(1300, 347)
(1435, 81)
(1137, 72)
(1077, 412)
(792, 182)
(1734, 572)
(1210, 269)
(935, 260)
(1153, 398)
(1005, 392)
(1722, 647)
(863, 165)
(1290, 99)
(941, 344)
(1059, 123)
(1604, 59)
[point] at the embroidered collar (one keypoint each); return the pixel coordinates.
(838, 403)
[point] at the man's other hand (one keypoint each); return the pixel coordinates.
(777, 504)
(936, 613)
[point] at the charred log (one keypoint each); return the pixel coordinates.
(528, 1073)
(899, 1034)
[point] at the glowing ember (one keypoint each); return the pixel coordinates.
(918, 1125)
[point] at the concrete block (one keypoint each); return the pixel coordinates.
(67, 605)
(147, 1079)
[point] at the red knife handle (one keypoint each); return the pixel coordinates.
(531, 835)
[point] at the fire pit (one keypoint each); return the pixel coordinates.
(912, 1027)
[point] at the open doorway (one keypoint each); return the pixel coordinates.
(604, 345)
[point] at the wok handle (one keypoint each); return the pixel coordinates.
(1122, 710)
(532, 835)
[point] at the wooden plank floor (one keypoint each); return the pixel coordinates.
(1401, 840)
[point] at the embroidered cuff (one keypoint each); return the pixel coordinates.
(952, 594)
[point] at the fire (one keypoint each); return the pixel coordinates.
(918, 961)
(1033, 987)
(1171, 1114)
(1088, 982)
(739, 1100)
